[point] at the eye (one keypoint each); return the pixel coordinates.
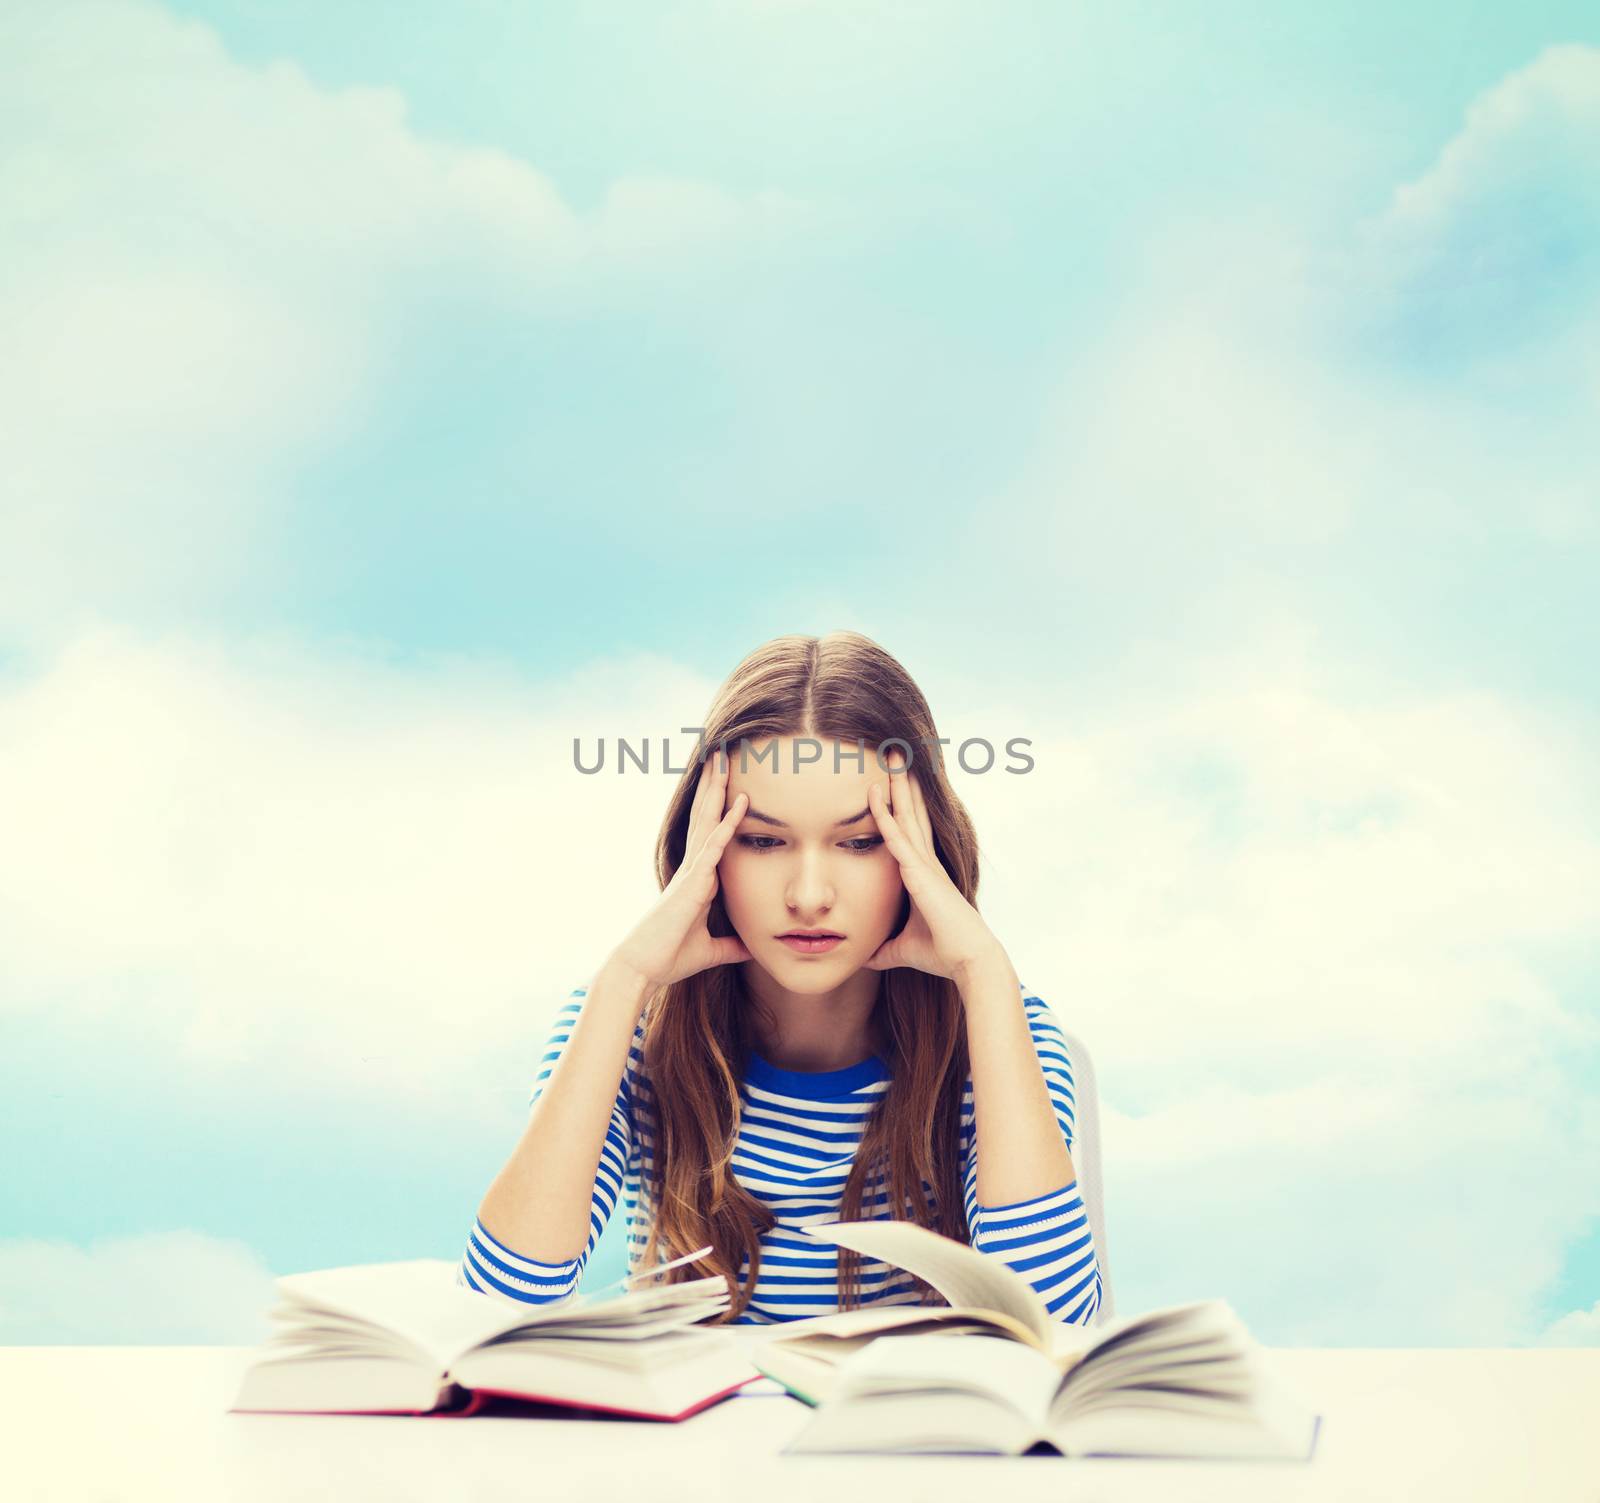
(860, 846)
(864, 844)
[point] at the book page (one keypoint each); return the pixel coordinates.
(1217, 1364)
(419, 1301)
(692, 1300)
(1018, 1375)
(916, 1424)
(1188, 1381)
(832, 1332)
(963, 1275)
(1073, 1343)
(1269, 1423)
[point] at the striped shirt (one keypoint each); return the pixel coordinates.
(798, 1133)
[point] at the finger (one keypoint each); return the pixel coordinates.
(889, 827)
(919, 802)
(728, 950)
(883, 958)
(698, 802)
(716, 842)
(901, 800)
(698, 871)
(915, 818)
(709, 792)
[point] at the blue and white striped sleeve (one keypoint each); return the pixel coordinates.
(1045, 1238)
(492, 1268)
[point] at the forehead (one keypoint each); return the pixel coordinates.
(832, 785)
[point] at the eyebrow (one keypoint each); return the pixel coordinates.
(783, 824)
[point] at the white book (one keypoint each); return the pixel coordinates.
(996, 1372)
(405, 1338)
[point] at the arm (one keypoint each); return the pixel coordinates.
(1018, 1146)
(545, 1210)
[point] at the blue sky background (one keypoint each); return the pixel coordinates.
(1210, 398)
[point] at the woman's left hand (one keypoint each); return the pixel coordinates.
(944, 934)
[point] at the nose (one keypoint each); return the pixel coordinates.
(810, 893)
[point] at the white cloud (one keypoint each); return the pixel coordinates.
(1311, 931)
(1276, 869)
(1262, 401)
(1485, 266)
(1271, 863)
(1258, 409)
(1356, 1210)
(1528, 143)
(1301, 930)
(208, 266)
(153, 1288)
(276, 859)
(1305, 919)
(1575, 1328)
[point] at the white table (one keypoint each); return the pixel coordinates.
(116, 1423)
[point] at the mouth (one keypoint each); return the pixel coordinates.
(812, 941)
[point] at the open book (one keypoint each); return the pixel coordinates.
(405, 1338)
(1182, 1381)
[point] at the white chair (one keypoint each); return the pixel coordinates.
(1086, 1160)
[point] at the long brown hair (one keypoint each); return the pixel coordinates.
(839, 687)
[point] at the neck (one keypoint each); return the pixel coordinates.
(815, 1031)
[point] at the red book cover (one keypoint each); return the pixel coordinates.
(508, 1403)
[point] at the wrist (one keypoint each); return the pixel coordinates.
(988, 970)
(617, 978)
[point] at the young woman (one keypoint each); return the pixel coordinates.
(735, 1083)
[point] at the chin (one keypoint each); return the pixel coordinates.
(825, 968)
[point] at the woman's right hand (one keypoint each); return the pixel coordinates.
(672, 940)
